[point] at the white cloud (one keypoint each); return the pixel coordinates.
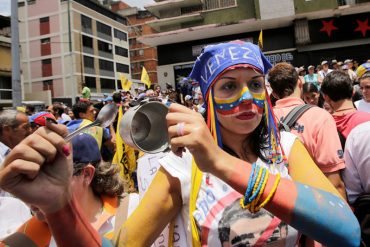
(5, 7)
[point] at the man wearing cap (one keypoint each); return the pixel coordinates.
(312, 77)
(363, 73)
(334, 64)
(96, 184)
(38, 119)
(325, 69)
(350, 71)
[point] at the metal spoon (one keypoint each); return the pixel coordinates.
(105, 118)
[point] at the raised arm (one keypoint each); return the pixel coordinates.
(160, 204)
(310, 204)
(314, 208)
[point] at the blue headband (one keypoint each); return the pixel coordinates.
(216, 58)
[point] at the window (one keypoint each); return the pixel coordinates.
(107, 83)
(44, 25)
(86, 24)
(48, 85)
(124, 68)
(141, 52)
(45, 47)
(132, 42)
(105, 65)
(46, 61)
(30, 2)
(105, 47)
(46, 68)
(45, 41)
(44, 19)
(215, 4)
(87, 41)
(103, 29)
(121, 51)
(120, 35)
(88, 62)
(20, 4)
(90, 81)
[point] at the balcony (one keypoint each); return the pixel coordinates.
(178, 20)
(160, 7)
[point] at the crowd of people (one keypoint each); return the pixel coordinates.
(234, 175)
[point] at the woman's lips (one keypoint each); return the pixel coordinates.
(246, 115)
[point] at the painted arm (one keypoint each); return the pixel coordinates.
(70, 227)
(161, 203)
(309, 203)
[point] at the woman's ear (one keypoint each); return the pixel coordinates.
(88, 174)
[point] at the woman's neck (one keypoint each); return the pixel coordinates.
(236, 143)
(92, 205)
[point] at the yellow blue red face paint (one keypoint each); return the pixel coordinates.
(231, 105)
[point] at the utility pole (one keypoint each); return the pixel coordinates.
(16, 72)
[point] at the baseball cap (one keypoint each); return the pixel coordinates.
(311, 67)
(362, 69)
(85, 149)
(334, 61)
(324, 62)
(39, 118)
(109, 98)
(347, 61)
(188, 97)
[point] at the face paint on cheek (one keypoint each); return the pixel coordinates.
(232, 105)
(259, 99)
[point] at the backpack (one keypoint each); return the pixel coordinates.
(362, 212)
(289, 121)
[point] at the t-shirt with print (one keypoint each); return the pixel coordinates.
(347, 122)
(317, 131)
(220, 219)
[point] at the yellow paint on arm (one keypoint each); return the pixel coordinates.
(161, 203)
(303, 169)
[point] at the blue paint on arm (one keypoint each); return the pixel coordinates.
(325, 218)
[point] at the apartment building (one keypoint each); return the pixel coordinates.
(297, 31)
(141, 55)
(5, 62)
(66, 43)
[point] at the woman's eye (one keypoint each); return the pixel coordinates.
(255, 86)
(228, 86)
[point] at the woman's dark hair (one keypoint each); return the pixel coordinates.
(311, 88)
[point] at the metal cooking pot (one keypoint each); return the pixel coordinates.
(144, 127)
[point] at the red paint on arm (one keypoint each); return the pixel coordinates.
(70, 227)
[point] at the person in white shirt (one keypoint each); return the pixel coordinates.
(357, 157)
(363, 73)
(325, 69)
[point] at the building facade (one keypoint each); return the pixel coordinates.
(141, 55)
(297, 31)
(66, 43)
(5, 62)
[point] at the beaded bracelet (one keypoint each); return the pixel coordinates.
(272, 192)
(256, 186)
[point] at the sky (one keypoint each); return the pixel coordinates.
(5, 5)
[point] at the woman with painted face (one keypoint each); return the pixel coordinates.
(234, 178)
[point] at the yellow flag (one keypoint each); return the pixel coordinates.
(145, 77)
(124, 158)
(260, 40)
(125, 83)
